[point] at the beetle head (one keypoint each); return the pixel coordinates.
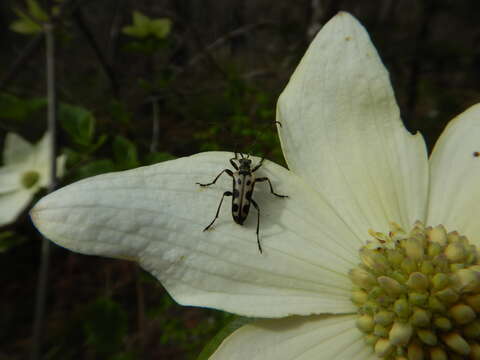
(245, 163)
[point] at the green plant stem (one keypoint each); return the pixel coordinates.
(38, 326)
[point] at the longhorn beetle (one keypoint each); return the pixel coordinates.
(244, 182)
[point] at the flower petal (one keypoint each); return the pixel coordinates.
(318, 337)
(41, 159)
(17, 150)
(341, 130)
(12, 204)
(455, 171)
(155, 215)
(10, 179)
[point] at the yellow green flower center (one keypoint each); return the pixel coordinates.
(29, 179)
(418, 294)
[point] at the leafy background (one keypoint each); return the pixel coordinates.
(207, 73)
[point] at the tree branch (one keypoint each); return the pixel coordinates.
(82, 25)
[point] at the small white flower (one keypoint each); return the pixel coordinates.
(355, 175)
(25, 171)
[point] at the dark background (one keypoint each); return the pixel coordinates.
(215, 80)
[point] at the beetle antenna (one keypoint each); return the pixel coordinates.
(235, 150)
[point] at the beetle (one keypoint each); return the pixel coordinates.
(243, 183)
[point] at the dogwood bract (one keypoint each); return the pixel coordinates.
(26, 169)
(372, 254)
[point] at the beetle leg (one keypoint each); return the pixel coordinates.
(226, 193)
(258, 224)
(271, 188)
(229, 172)
(234, 164)
(258, 165)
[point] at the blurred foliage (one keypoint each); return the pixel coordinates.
(214, 77)
(150, 34)
(235, 323)
(247, 120)
(14, 109)
(8, 240)
(143, 27)
(105, 326)
(29, 21)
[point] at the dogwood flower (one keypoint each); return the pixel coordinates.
(373, 253)
(25, 171)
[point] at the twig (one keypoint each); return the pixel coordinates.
(80, 21)
(115, 27)
(38, 327)
(207, 54)
(207, 50)
(32, 47)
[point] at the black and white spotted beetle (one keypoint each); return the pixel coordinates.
(244, 182)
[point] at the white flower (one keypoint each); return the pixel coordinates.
(25, 171)
(353, 170)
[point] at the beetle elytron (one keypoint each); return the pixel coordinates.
(244, 182)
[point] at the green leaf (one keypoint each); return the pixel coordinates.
(96, 167)
(156, 157)
(140, 27)
(125, 153)
(101, 140)
(143, 26)
(213, 345)
(105, 326)
(14, 108)
(36, 11)
(119, 112)
(9, 239)
(34, 104)
(25, 25)
(11, 107)
(31, 23)
(160, 27)
(73, 157)
(140, 20)
(134, 31)
(78, 122)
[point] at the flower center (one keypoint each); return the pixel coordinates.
(29, 179)
(418, 294)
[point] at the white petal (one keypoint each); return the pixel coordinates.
(61, 161)
(455, 174)
(317, 337)
(341, 130)
(12, 204)
(156, 215)
(41, 160)
(17, 150)
(10, 178)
